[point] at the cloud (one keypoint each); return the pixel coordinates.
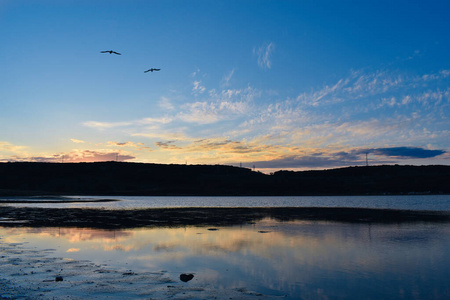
(351, 157)
(211, 112)
(160, 134)
(139, 146)
(295, 162)
(407, 152)
(224, 146)
(169, 145)
(226, 79)
(140, 122)
(6, 146)
(165, 103)
(264, 54)
(226, 104)
(77, 141)
(105, 125)
(78, 155)
(198, 88)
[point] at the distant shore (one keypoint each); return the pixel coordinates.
(139, 179)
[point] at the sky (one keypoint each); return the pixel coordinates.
(267, 85)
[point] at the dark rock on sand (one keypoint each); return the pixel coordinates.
(186, 277)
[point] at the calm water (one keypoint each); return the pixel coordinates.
(296, 259)
(302, 260)
(413, 202)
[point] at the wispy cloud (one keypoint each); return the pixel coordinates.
(227, 78)
(139, 146)
(198, 88)
(163, 135)
(79, 155)
(105, 125)
(140, 122)
(165, 104)
(264, 55)
(6, 146)
(211, 112)
(168, 145)
(77, 141)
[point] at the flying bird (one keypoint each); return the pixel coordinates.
(110, 52)
(151, 70)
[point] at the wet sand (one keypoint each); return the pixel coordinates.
(31, 274)
(172, 217)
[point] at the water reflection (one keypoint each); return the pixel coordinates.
(300, 259)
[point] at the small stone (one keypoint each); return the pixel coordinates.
(128, 273)
(186, 277)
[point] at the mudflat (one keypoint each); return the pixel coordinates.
(172, 217)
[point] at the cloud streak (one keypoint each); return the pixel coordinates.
(77, 141)
(408, 152)
(78, 155)
(264, 55)
(348, 158)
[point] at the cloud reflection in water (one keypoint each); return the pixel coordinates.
(296, 258)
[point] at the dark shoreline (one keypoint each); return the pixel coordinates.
(6, 201)
(179, 217)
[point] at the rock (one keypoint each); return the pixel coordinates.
(186, 277)
(128, 273)
(58, 278)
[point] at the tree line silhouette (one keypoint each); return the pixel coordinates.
(121, 178)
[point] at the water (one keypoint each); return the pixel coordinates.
(295, 260)
(410, 202)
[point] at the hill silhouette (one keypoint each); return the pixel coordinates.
(120, 178)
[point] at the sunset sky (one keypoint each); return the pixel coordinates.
(290, 85)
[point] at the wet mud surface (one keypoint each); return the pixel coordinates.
(174, 217)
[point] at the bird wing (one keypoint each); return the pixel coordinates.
(104, 51)
(116, 53)
(146, 71)
(156, 69)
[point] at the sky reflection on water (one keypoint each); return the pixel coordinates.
(300, 259)
(410, 202)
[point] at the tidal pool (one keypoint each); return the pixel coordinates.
(293, 259)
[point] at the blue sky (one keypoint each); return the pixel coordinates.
(272, 84)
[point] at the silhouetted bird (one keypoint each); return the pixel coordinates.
(110, 52)
(151, 70)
